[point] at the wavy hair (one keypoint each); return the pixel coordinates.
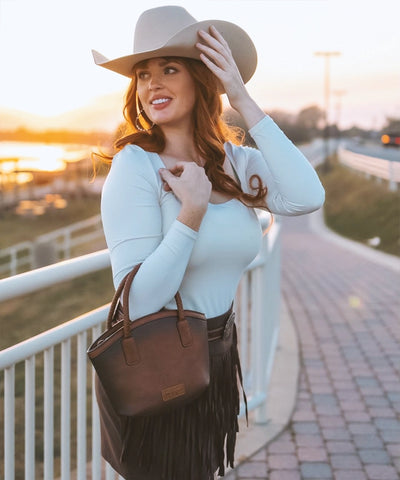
(210, 132)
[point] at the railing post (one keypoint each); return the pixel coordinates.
(259, 359)
(96, 448)
(30, 418)
(65, 409)
(110, 472)
(81, 406)
(392, 182)
(9, 423)
(269, 284)
(244, 324)
(13, 262)
(49, 414)
(67, 243)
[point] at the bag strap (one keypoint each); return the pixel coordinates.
(115, 301)
(124, 289)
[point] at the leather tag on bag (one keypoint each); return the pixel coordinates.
(173, 392)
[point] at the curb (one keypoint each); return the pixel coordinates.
(317, 226)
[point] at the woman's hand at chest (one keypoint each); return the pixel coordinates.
(190, 184)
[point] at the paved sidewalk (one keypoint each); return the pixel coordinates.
(346, 309)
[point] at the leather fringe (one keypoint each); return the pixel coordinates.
(192, 442)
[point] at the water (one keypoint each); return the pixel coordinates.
(25, 157)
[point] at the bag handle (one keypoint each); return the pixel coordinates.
(117, 295)
(124, 287)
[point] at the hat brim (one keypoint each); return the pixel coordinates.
(182, 44)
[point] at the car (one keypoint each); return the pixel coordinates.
(390, 139)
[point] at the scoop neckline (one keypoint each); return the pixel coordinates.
(209, 203)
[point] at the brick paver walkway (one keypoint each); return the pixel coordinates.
(346, 424)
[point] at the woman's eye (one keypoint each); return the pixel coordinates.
(170, 70)
(142, 75)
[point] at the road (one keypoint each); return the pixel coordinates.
(315, 151)
(373, 149)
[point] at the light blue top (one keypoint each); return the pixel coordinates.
(140, 225)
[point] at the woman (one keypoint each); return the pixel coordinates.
(180, 199)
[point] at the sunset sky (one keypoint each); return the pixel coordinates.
(47, 68)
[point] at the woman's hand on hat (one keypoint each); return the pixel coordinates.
(217, 56)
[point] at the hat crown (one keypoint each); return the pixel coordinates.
(156, 26)
(170, 31)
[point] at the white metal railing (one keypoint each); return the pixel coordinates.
(66, 238)
(61, 241)
(371, 166)
(64, 348)
(16, 258)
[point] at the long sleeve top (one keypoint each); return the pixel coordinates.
(140, 223)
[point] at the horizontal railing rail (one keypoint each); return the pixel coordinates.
(44, 277)
(49, 373)
(372, 166)
(59, 244)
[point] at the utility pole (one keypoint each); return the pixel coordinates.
(338, 94)
(327, 55)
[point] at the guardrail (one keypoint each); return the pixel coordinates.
(71, 390)
(371, 166)
(50, 247)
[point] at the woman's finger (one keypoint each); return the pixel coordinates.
(217, 57)
(216, 42)
(211, 65)
(219, 37)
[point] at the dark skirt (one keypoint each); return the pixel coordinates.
(192, 442)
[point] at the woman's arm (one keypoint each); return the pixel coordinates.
(293, 185)
(132, 223)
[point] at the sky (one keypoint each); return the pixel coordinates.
(46, 66)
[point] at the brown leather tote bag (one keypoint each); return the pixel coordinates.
(155, 363)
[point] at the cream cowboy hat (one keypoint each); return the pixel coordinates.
(172, 31)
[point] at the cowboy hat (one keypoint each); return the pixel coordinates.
(172, 31)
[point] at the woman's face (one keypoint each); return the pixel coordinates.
(166, 91)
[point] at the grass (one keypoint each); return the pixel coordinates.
(37, 312)
(360, 209)
(15, 229)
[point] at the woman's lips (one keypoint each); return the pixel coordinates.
(161, 103)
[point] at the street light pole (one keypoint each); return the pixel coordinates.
(338, 94)
(327, 55)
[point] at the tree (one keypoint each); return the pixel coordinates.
(310, 117)
(392, 125)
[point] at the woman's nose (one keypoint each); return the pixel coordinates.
(155, 82)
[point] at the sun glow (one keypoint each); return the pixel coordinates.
(58, 75)
(31, 157)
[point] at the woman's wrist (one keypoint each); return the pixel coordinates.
(249, 110)
(192, 216)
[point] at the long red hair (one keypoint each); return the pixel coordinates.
(210, 132)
